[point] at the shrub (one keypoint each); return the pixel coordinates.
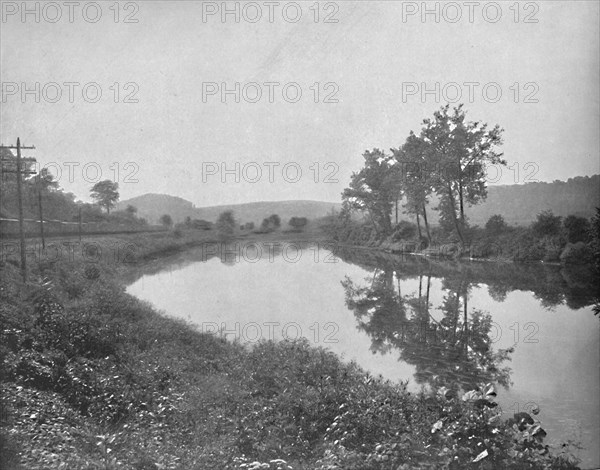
(298, 223)
(166, 220)
(577, 229)
(226, 225)
(547, 224)
(496, 224)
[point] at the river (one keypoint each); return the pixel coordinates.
(528, 328)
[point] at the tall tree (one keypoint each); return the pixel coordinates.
(373, 190)
(415, 178)
(106, 194)
(460, 150)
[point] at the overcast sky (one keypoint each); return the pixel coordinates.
(370, 57)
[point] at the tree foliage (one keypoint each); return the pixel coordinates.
(416, 177)
(298, 222)
(496, 224)
(226, 225)
(448, 157)
(372, 190)
(106, 194)
(271, 223)
(166, 220)
(577, 229)
(547, 224)
(131, 210)
(459, 150)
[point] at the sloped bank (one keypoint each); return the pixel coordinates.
(94, 378)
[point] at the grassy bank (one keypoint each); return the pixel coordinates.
(93, 378)
(502, 244)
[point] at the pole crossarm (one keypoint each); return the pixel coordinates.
(19, 170)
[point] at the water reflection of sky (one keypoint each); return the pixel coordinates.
(555, 363)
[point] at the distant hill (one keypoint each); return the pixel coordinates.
(518, 204)
(152, 206)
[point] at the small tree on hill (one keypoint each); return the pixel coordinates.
(271, 223)
(547, 224)
(166, 220)
(496, 224)
(106, 194)
(577, 229)
(131, 211)
(298, 223)
(226, 225)
(275, 220)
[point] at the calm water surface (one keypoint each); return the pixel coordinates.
(529, 328)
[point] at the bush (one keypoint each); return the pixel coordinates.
(577, 229)
(496, 224)
(166, 220)
(270, 224)
(577, 253)
(226, 225)
(298, 223)
(547, 224)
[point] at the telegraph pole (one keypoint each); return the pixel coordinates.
(79, 224)
(19, 171)
(41, 211)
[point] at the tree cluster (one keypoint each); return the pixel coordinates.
(271, 223)
(298, 223)
(225, 225)
(447, 158)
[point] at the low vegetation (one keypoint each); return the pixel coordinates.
(549, 238)
(93, 378)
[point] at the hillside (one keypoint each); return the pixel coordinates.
(518, 204)
(152, 206)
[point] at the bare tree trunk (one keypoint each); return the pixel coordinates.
(419, 227)
(460, 196)
(454, 218)
(396, 211)
(426, 224)
(428, 288)
(465, 321)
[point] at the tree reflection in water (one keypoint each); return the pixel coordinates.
(455, 352)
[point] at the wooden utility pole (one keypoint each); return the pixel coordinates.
(79, 225)
(41, 211)
(19, 171)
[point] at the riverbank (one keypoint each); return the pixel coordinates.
(94, 378)
(518, 246)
